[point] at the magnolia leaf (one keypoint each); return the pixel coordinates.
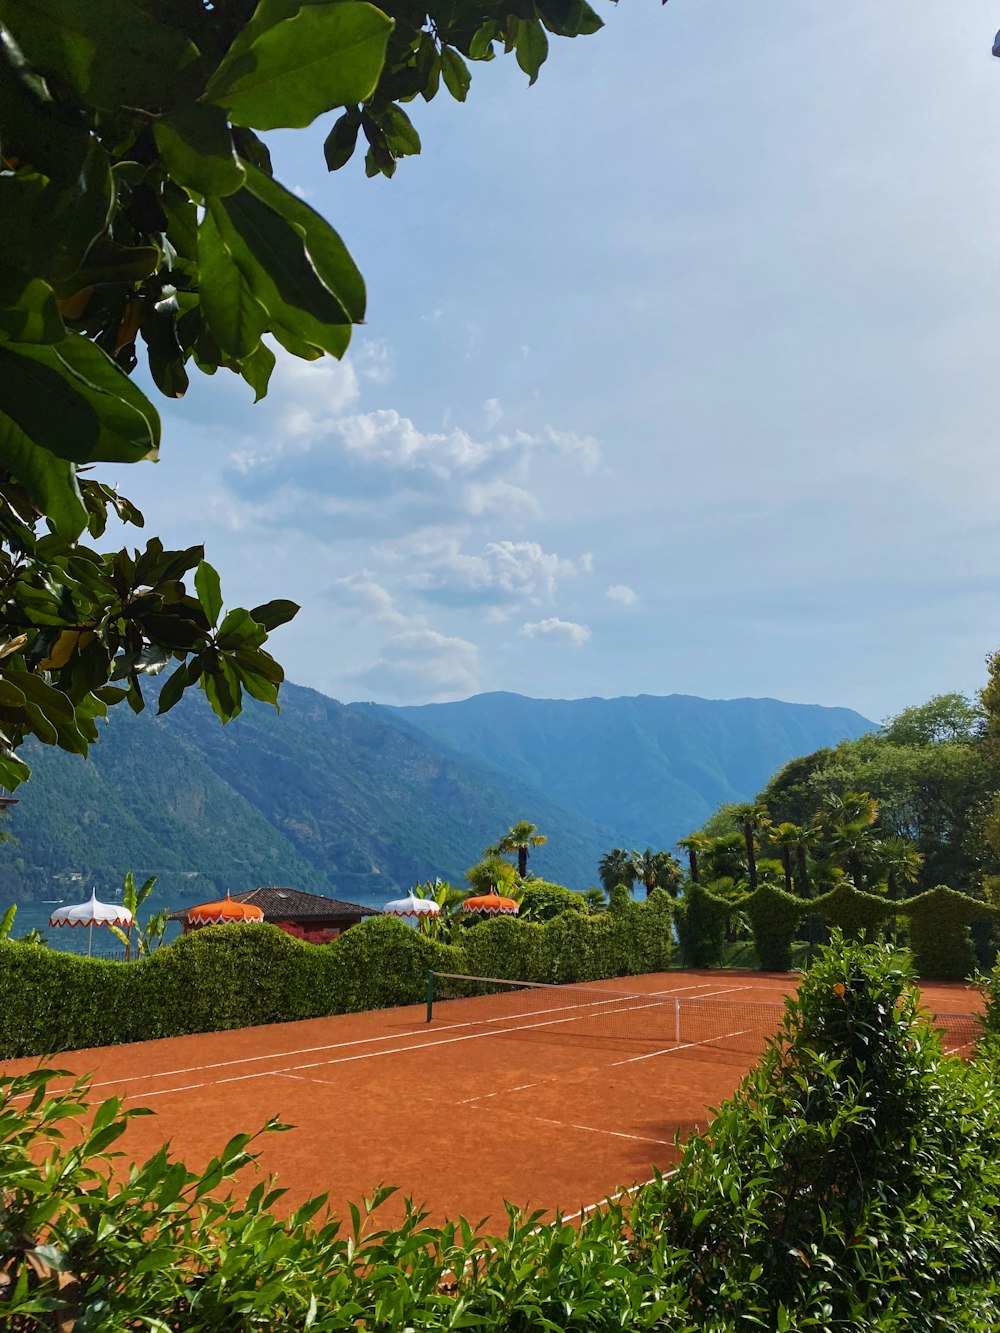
(50, 482)
(112, 54)
(235, 316)
(531, 47)
(197, 149)
(455, 73)
(209, 589)
(71, 399)
(324, 56)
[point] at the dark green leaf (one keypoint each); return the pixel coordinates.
(342, 140)
(197, 149)
(49, 481)
(273, 614)
(568, 18)
(326, 55)
(256, 370)
(207, 585)
(112, 54)
(455, 73)
(531, 47)
(235, 316)
(402, 138)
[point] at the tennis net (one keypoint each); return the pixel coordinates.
(652, 1020)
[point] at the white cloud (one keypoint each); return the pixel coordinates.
(420, 664)
(493, 411)
(374, 361)
(622, 594)
(553, 627)
(386, 437)
(363, 594)
(506, 570)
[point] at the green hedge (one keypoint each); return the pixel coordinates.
(243, 976)
(774, 918)
(939, 935)
(701, 926)
(857, 915)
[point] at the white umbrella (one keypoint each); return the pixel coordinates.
(412, 909)
(91, 914)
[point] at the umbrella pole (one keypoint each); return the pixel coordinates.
(90, 939)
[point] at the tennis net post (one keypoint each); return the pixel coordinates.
(430, 996)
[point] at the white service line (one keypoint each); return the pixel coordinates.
(373, 1055)
(613, 1198)
(591, 1129)
(672, 1050)
(366, 1041)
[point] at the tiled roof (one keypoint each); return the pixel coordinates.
(282, 904)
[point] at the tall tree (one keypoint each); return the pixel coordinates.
(784, 837)
(140, 209)
(616, 867)
(899, 861)
(751, 819)
(520, 838)
(656, 870)
(694, 844)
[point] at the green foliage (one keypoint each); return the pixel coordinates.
(774, 917)
(946, 717)
(939, 937)
(139, 204)
(540, 900)
(245, 975)
(858, 915)
(701, 926)
(852, 1182)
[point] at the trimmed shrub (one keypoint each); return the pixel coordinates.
(541, 901)
(774, 917)
(939, 936)
(857, 915)
(506, 947)
(701, 926)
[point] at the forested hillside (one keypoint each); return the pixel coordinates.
(320, 796)
(649, 768)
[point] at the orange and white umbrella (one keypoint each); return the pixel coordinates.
(491, 904)
(223, 912)
(91, 914)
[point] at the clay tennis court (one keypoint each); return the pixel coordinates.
(553, 1104)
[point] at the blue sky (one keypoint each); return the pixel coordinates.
(680, 374)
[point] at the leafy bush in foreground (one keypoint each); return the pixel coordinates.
(854, 1180)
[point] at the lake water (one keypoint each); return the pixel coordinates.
(35, 916)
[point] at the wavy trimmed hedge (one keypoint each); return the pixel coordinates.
(243, 976)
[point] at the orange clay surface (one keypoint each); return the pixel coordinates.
(553, 1110)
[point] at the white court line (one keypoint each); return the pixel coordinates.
(613, 1198)
(500, 1092)
(687, 1046)
(590, 1129)
(370, 1055)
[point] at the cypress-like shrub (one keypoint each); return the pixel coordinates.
(701, 926)
(939, 936)
(774, 917)
(855, 914)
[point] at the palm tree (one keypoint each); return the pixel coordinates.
(520, 838)
(657, 870)
(616, 867)
(490, 873)
(751, 819)
(784, 837)
(854, 846)
(850, 807)
(694, 844)
(899, 861)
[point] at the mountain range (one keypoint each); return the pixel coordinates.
(360, 800)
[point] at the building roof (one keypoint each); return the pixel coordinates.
(284, 904)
